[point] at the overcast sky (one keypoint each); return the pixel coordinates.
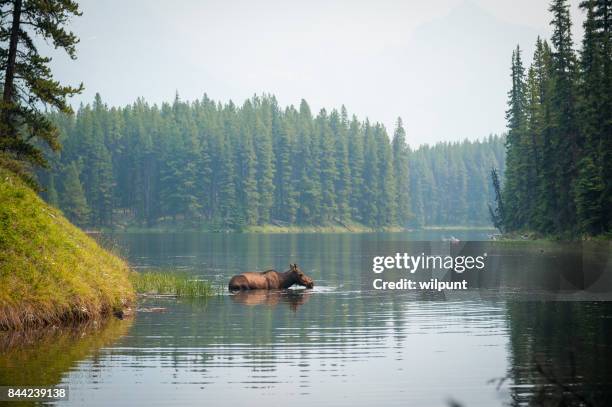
(442, 66)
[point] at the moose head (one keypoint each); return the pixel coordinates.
(300, 277)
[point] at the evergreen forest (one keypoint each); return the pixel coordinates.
(558, 180)
(206, 164)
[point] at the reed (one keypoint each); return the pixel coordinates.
(170, 283)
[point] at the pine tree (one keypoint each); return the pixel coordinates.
(51, 193)
(307, 162)
(228, 184)
(387, 197)
(339, 127)
(327, 168)
(546, 201)
(589, 188)
(73, 200)
(204, 160)
(514, 194)
(27, 81)
(356, 167)
(531, 143)
(400, 171)
(497, 212)
(264, 170)
(566, 140)
(372, 188)
(283, 132)
(417, 178)
(590, 185)
(603, 23)
(458, 189)
(248, 196)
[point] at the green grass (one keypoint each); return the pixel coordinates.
(50, 271)
(170, 283)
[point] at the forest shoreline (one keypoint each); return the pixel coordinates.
(253, 229)
(51, 272)
(531, 236)
(276, 229)
(269, 228)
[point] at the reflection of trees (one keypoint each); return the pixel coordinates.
(42, 357)
(562, 349)
(338, 326)
(328, 326)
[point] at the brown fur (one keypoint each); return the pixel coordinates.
(270, 279)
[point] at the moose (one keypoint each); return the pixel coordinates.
(270, 279)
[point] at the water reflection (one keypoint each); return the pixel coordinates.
(43, 357)
(337, 344)
(271, 298)
(561, 353)
(335, 349)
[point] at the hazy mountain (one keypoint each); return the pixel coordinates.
(454, 74)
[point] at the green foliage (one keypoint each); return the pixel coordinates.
(73, 200)
(202, 164)
(26, 79)
(51, 195)
(559, 124)
(497, 214)
(169, 283)
(589, 187)
(400, 174)
(514, 192)
(449, 182)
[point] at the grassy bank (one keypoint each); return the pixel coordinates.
(265, 228)
(170, 283)
(50, 270)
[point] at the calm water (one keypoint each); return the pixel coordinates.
(338, 344)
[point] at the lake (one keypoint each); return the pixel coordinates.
(340, 343)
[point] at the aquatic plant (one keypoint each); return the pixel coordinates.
(170, 283)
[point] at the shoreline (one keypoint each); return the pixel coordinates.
(276, 229)
(254, 229)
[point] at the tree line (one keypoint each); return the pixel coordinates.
(559, 143)
(229, 166)
(449, 182)
(204, 162)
